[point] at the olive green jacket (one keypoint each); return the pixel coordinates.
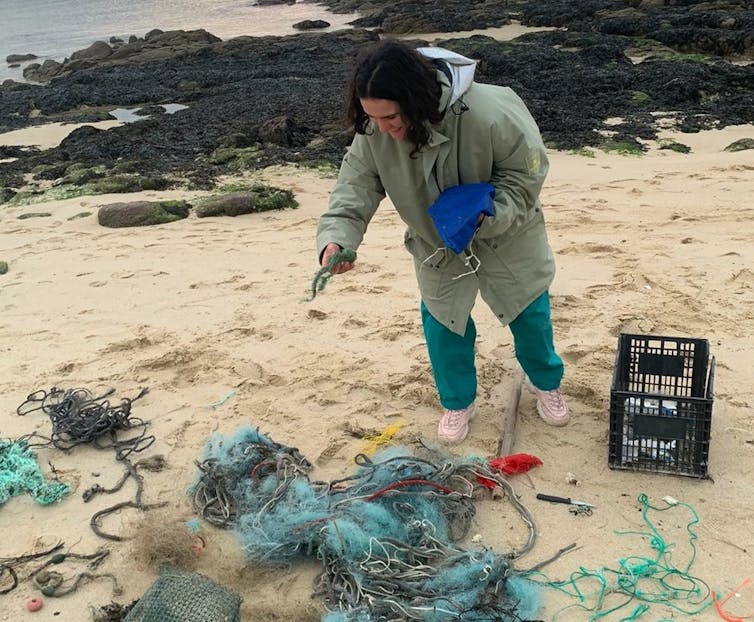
(487, 135)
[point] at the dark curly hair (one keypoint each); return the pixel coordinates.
(396, 71)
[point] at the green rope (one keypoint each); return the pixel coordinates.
(221, 401)
(19, 473)
(643, 581)
(325, 272)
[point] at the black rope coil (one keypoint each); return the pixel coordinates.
(78, 418)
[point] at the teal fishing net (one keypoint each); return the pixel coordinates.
(184, 596)
(20, 473)
(386, 536)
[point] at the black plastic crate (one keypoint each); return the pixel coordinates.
(661, 405)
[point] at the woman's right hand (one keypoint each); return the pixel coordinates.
(338, 268)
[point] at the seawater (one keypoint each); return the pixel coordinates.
(53, 29)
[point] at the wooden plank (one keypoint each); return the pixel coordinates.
(510, 416)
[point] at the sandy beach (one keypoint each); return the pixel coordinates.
(212, 316)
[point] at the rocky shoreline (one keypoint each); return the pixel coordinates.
(256, 101)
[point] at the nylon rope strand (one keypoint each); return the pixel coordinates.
(324, 274)
(643, 581)
(49, 582)
(9, 564)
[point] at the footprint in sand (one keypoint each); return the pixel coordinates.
(65, 368)
(354, 323)
(592, 249)
(395, 330)
(97, 283)
(315, 314)
(243, 288)
(573, 354)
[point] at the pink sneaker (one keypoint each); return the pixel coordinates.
(551, 406)
(454, 425)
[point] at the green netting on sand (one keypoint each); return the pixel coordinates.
(183, 596)
(20, 473)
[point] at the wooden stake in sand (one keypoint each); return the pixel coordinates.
(509, 417)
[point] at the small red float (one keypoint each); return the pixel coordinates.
(34, 604)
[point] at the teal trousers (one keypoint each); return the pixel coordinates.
(452, 355)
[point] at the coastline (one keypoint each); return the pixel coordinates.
(243, 19)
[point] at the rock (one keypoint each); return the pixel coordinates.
(157, 45)
(19, 58)
(141, 213)
(401, 25)
(129, 49)
(234, 141)
(3, 267)
(675, 146)
(179, 38)
(10, 83)
(277, 131)
(96, 51)
(741, 145)
(233, 204)
(311, 24)
(77, 64)
(6, 194)
(147, 111)
(44, 72)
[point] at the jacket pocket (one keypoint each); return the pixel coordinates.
(495, 258)
(426, 255)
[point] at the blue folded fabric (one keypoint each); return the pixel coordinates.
(456, 211)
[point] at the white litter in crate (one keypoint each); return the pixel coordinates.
(648, 448)
(666, 408)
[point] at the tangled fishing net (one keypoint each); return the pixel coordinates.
(79, 417)
(184, 596)
(20, 473)
(386, 536)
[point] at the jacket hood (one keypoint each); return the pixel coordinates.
(462, 70)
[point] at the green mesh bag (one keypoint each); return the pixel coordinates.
(182, 596)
